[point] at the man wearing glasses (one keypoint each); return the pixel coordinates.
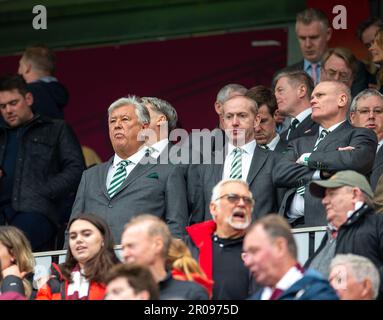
(217, 244)
(367, 111)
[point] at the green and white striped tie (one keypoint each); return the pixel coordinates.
(118, 177)
(236, 164)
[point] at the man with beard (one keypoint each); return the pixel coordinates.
(217, 244)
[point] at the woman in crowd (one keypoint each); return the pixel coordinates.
(89, 258)
(376, 50)
(16, 259)
(185, 267)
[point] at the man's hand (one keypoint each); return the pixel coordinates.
(348, 148)
(303, 159)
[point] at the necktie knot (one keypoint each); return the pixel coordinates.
(294, 124)
(265, 146)
(149, 151)
(124, 163)
(237, 150)
(323, 134)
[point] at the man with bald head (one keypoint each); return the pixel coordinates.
(337, 146)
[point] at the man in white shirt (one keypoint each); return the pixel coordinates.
(129, 184)
(338, 146)
(293, 91)
(367, 111)
(270, 252)
(242, 159)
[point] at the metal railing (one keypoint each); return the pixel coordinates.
(308, 240)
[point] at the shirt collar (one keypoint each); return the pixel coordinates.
(303, 115)
(332, 128)
(273, 143)
(289, 278)
(248, 147)
(134, 158)
(307, 65)
(380, 143)
(159, 146)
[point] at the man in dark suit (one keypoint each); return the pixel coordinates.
(337, 146)
(132, 182)
(293, 91)
(242, 158)
(314, 32)
(265, 133)
(367, 111)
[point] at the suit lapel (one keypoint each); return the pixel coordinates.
(104, 173)
(259, 158)
(333, 136)
(378, 159)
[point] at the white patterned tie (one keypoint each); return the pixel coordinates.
(236, 164)
(323, 134)
(118, 177)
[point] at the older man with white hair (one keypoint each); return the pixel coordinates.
(217, 243)
(354, 277)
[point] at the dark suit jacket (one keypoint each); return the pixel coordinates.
(281, 146)
(259, 180)
(158, 189)
(289, 174)
(306, 128)
(377, 169)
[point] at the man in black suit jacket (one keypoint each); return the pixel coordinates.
(367, 111)
(240, 116)
(343, 148)
(314, 32)
(292, 91)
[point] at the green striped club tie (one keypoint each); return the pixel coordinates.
(236, 164)
(118, 177)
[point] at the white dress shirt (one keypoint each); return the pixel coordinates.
(247, 156)
(273, 143)
(134, 158)
(290, 277)
(158, 147)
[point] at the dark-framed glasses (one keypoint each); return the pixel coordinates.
(234, 198)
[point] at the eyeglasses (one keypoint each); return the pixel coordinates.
(234, 198)
(366, 112)
(343, 76)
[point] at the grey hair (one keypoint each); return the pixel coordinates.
(364, 94)
(140, 109)
(225, 93)
(217, 188)
(296, 78)
(361, 268)
(165, 108)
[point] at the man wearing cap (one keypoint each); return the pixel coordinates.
(353, 225)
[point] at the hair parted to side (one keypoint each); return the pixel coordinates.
(225, 92)
(163, 107)
(297, 78)
(138, 277)
(41, 57)
(309, 15)
(10, 82)
(253, 104)
(277, 227)
(361, 267)
(97, 268)
(140, 109)
(263, 96)
(373, 21)
(346, 55)
(155, 227)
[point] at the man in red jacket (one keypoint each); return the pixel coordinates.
(217, 243)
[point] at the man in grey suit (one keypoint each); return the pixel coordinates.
(367, 111)
(337, 146)
(241, 159)
(132, 182)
